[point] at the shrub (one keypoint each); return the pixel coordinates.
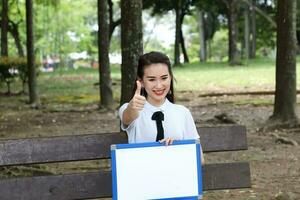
(7, 72)
(12, 67)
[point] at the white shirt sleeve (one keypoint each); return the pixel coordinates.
(121, 111)
(190, 130)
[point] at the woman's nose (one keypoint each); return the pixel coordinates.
(158, 83)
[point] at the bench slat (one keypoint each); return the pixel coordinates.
(226, 176)
(89, 147)
(98, 184)
(223, 138)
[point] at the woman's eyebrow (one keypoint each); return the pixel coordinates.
(165, 75)
(150, 77)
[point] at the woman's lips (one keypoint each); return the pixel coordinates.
(159, 92)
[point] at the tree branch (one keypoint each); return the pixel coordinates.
(262, 13)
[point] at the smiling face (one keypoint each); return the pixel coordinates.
(157, 82)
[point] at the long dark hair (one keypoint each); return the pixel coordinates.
(147, 59)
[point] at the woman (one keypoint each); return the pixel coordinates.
(151, 114)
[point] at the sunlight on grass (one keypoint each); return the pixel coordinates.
(81, 99)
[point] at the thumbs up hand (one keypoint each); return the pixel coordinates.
(138, 101)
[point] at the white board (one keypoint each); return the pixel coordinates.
(155, 171)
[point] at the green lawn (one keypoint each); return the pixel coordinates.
(81, 85)
(257, 74)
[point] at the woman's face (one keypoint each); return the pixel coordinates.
(156, 81)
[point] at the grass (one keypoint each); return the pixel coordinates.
(81, 85)
(259, 73)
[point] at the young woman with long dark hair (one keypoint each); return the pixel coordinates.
(151, 115)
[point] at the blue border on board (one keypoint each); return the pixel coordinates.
(114, 174)
(156, 144)
(180, 198)
(199, 169)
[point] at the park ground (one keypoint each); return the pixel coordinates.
(275, 166)
(70, 107)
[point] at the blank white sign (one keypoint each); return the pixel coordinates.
(154, 171)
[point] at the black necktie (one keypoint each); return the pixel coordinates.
(159, 117)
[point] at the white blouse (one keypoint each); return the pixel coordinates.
(178, 123)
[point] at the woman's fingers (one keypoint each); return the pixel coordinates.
(138, 88)
(167, 141)
(137, 102)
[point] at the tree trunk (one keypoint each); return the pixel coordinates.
(4, 28)
(32, 80)
(106, 94)
(14, 30)
(285, 93)
(208, 48)
(234, 58)
(185, 55)
(246, 34)
(177, 33)
(202, 53)
(131, 45)
(252, 53)
(112, 24)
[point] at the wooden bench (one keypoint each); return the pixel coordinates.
(97, 146)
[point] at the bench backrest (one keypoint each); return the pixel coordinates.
(97, 146)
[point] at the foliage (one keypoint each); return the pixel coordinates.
(266, 33)
(60, 29)
(8, 71)
(56, 34)
(215, 15)
(12, 68)
(22, 68)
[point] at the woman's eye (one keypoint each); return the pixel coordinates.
(151, 80)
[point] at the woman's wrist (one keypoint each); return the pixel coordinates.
(129, 115)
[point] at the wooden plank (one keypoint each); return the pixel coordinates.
(98, 184)
(55, 149)
(61, 187)
(223, 138)
(226, 176)
(96, 146)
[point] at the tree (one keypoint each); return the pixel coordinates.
(285, 93)
(247, 32)
(131, 44)
(112, 24)
(252, 46)
(106, 95)
(181, 8)
(4, 28)
(298, 26)
(178, 12)
(16, 21)
(233, 53)
(13, 28)
(32, 80)
(203, 50)
(262, 25)
(208, 22)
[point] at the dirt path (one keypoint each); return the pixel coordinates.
(275, 167)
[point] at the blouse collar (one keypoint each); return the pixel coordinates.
(155, 108)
